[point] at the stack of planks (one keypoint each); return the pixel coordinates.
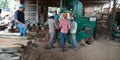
(10, 46)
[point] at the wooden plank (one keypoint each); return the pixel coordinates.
(6, 33)
(13, 37)
(10, 46)
(5, 57)
(12, 43)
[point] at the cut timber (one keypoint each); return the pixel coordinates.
(9, 35)
(6, 33)
(12, 43)
(10, 46)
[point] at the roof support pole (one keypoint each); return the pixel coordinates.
(111, 20)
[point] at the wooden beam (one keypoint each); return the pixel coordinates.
(13, 34)
(94, 2)
(50, 3)
(37, 15)
(111, 20)
(12, 43)
(97, 1)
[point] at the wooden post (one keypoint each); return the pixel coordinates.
(37, 10)
(111, 19)
(61, 5)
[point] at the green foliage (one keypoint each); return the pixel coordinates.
(4, 4)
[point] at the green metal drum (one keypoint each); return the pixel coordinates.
(85, 27)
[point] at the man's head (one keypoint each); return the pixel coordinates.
(72, 19)
(55, 11)
(65, 15)
(21, 7)
(0, 11)
(51, 17)
(72, 14)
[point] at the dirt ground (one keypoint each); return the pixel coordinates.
(99, 50)
(102, 49)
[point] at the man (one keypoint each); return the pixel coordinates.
(56, 16)
(73, 31)
(20, 20)
(0, 16)
(57, 34)
(52, 26)
(64, 26)
(0, 20)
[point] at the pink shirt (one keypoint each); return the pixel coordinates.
(64, 25)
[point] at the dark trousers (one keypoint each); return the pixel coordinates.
(63, 39)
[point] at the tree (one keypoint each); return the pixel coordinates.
(4, 4)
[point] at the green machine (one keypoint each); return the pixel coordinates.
(86, 25)
(116, 26)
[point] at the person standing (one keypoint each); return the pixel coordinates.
(0, 20)
(56, 16)
(73, 31)
(0, 15)
(52, 26)
(64, 26)
(57, 32)
(20, 20)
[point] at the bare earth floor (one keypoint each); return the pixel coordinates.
(99, 50)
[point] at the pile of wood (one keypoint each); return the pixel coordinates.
(11, 48)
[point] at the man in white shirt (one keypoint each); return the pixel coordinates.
(52, 26)
(0, 16)
(1, 21)
(73, 31)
